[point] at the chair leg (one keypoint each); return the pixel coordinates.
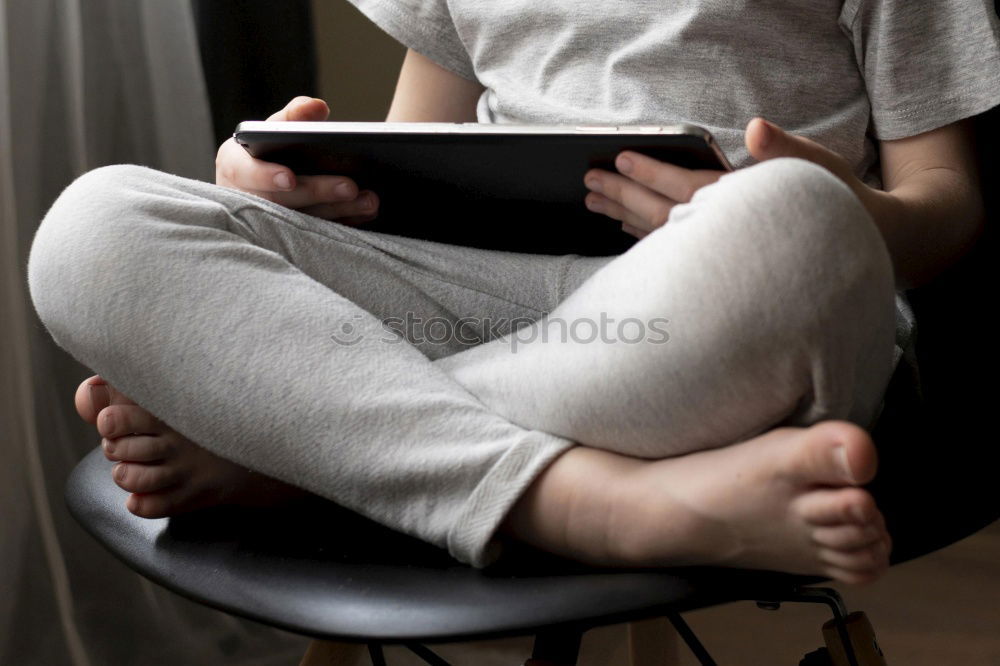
(861, 637)
(427, 655)
(684, 631)
(376, 654)
(850, 639)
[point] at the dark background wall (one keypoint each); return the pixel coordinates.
(258, 54)
(358, 63)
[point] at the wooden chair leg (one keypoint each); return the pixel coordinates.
(330, 653)
(862, 638)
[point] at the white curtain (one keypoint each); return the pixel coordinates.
(85, 83)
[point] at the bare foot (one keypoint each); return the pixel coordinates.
(166, 473)
(784, 501)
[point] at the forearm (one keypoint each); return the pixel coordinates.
(928, 221)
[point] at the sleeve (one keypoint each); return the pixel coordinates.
(926, 64)
(426, 26)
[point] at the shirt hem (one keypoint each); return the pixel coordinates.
(933, 114)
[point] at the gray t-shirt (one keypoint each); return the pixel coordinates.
(844, 73)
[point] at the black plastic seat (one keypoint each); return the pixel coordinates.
(321, 571)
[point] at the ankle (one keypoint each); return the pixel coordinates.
(577, 507)
(656, 524)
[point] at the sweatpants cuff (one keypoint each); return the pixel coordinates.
(473, 539)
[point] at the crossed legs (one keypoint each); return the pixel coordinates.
(786, 499)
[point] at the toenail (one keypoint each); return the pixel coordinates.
(109, 446)
(845, 463)
(99, 394)
(119, 472)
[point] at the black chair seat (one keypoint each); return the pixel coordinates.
(318, 570)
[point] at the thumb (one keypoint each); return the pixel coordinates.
(767, 141)
(303, 109)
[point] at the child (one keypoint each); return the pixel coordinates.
(249, 317)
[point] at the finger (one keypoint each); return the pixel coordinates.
(766, 141)
(672, 181)
(236, 168)
(600, 204)
(365, 205)
(138, 448)
(119, 420)
(302, 109)
(315, 190)
(141, 478)
(628, 201)
(634, 231)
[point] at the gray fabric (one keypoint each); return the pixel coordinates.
(844, 74)
(925, 64)
(258, 332)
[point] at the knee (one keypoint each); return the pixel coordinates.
(80, 243)
(805, 230)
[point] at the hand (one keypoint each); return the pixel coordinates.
(329, 197)
(767, 141)
(645, 190)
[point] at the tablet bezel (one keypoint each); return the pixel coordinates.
(249, 127)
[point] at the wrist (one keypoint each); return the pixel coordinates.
(928, 222)
(889, 213)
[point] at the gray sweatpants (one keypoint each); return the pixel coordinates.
(272, 338)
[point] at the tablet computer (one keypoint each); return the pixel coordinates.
(507, 187)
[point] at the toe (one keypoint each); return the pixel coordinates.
(92, 395)
(847, 537)
(871, 558)
(148, 506)
(832, 453)
(140, 478)
(153, 505)
(117, 421)
(853, 577)
(170, 502)
(843, 506)
(140, 448)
